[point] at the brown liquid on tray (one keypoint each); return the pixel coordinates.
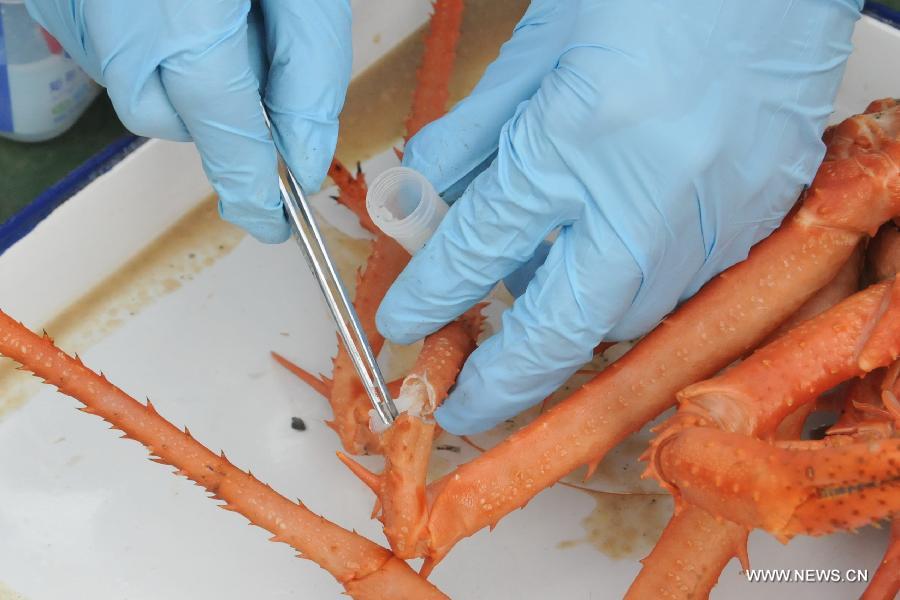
(7, 593)
(624, 525)
(193, 244)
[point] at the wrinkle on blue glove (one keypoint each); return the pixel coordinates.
(194, 72)
(459, 146)
(664, 139)
(548, 334)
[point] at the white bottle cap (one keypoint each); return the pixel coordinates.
(405, 206)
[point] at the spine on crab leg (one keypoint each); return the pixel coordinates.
(352, 191)
(359, 564)
(400, 488)
(885, 585)
(784, 491)
(729, 316)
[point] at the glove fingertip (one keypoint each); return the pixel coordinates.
(266, 223)
(391, 325)
(416, 153)
(308, 146)
(464, 412)
(452, 421)
(271, 233)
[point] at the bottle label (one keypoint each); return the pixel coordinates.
(6, 123)
(47, 94)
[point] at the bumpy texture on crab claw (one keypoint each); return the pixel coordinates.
(845, 283)
(400, 489)
(755, 397)
(784, 491)
(856, 336)
(708, 540)
(885, 585)
(871, 413)
(668, 555)
(880, 123)
(696, 547)
(848, 200)
(367, 571)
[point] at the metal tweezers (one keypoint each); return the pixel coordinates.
(309, 237)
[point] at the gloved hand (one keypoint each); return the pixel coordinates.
(184, 70)
(662, 139)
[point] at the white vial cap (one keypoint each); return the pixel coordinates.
(405, 206)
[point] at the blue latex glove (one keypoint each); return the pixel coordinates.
(193, 70)
(662, 138)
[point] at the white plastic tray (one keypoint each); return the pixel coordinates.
(85, 515)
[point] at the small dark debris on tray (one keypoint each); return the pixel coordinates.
(298, 424)
(449, 448)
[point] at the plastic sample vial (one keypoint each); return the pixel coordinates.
(405, 206)
(42, 90)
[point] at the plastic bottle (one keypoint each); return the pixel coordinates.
(42, 90)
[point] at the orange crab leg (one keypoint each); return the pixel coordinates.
(730, 315)
(719, 324)
(432, 91)
(785, 491)
(366, 570)
(755, 396)
(886, 583)
(695, 546)
(845, 283)
(352, 191)
(710, 541)
(851, 339)
(320, 383)
(400, 488)
(668, 555)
